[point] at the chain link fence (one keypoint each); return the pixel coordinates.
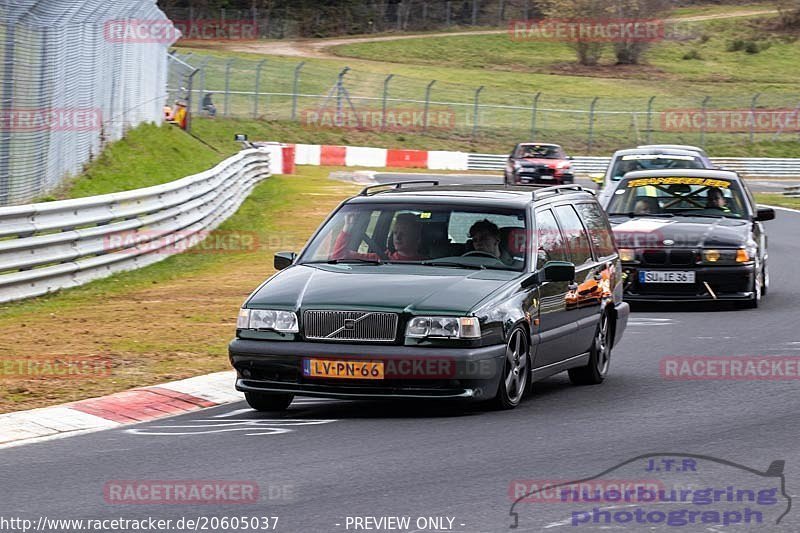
(323, 96)
(75, 76)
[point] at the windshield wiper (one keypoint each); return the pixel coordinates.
(631, 214)
(705, 215)
(345, 261)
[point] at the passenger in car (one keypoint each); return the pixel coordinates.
(404, 243)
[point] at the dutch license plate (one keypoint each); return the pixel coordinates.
(330, 368)
(666, 276)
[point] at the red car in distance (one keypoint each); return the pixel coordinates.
(534, 162)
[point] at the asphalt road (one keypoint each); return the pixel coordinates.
(325, 461)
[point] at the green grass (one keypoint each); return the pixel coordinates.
(769, 198)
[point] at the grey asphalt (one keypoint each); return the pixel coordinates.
(421, 460)
(775, 185)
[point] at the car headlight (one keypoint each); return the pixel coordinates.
(465, 327)
(563, 165)
(517, 165)
(281, 321)
(728, 257)
(711, 256)
(627, 255)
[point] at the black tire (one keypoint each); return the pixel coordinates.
(515, 376)
(757, 289)
(596, 369)
(266, 401)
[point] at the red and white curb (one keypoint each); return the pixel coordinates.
(119, 409)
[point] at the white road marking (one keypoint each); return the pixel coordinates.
(252, 427)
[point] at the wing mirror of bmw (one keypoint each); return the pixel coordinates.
(557, 271)
(765, 213)
(284, 259)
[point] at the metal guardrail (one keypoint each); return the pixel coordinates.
(581, 165)
(54, 245)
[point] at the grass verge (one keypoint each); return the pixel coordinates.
(170, 320)
(779, 200)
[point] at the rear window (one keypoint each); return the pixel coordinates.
(598, 227)
(575, 234)
(633, 162)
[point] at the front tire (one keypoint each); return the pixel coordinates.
(759, 288)
(599, 356)
(265, 401)
(515, 377)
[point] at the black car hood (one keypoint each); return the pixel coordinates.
(680, 232)
(395, 288)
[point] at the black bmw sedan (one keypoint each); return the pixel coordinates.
(688, 235)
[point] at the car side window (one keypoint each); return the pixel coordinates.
(551, 241)
(598, 227)
(575, 233)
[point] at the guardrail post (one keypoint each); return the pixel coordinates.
(385, 96)
(258, 83)
(295, 86)
(650, 119)
(533, 115)
(475, 113)
(591, 125)
(228, 82)
(753, 115)
(704, 112)
(427, 104)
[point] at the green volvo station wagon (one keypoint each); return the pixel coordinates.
(415, 290)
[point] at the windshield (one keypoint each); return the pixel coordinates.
(539, 151)
(633, 162)
(678, 196)
(454, 236)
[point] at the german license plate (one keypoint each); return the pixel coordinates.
(666, 276)
(330, 368)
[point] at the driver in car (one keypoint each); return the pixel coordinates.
(716, 200)
(406, 238)
(486, 240)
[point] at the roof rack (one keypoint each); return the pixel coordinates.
(395, 185)
(558, 189)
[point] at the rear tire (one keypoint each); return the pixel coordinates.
(596, 369)
(515, 377)
(266, 401)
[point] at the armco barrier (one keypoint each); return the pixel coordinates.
(49, 246)
(793, 191)
(314, 154)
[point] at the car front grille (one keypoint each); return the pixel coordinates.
(350, 326)
(669, 257)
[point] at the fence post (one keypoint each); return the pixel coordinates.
(258, 85)
(447, 14)
(427, 105)
(703, 107)
(202, 69)
(385, 96)
(591, 124)
(650, 119)
(6, 104)
(474, 12)
(228, 82)
(475, 112)
(753, 115)
(295, 87)
(189, 101)
(339, 93)
(500, 12)
(534, 109)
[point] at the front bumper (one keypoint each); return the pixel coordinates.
(622, 311)
(411, 372)
(525, 176)
(733, 282)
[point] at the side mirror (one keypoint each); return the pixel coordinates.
(557, 271)
(284, 259)
(764, 213)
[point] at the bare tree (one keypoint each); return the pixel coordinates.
(629, 51)
(588, 51)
